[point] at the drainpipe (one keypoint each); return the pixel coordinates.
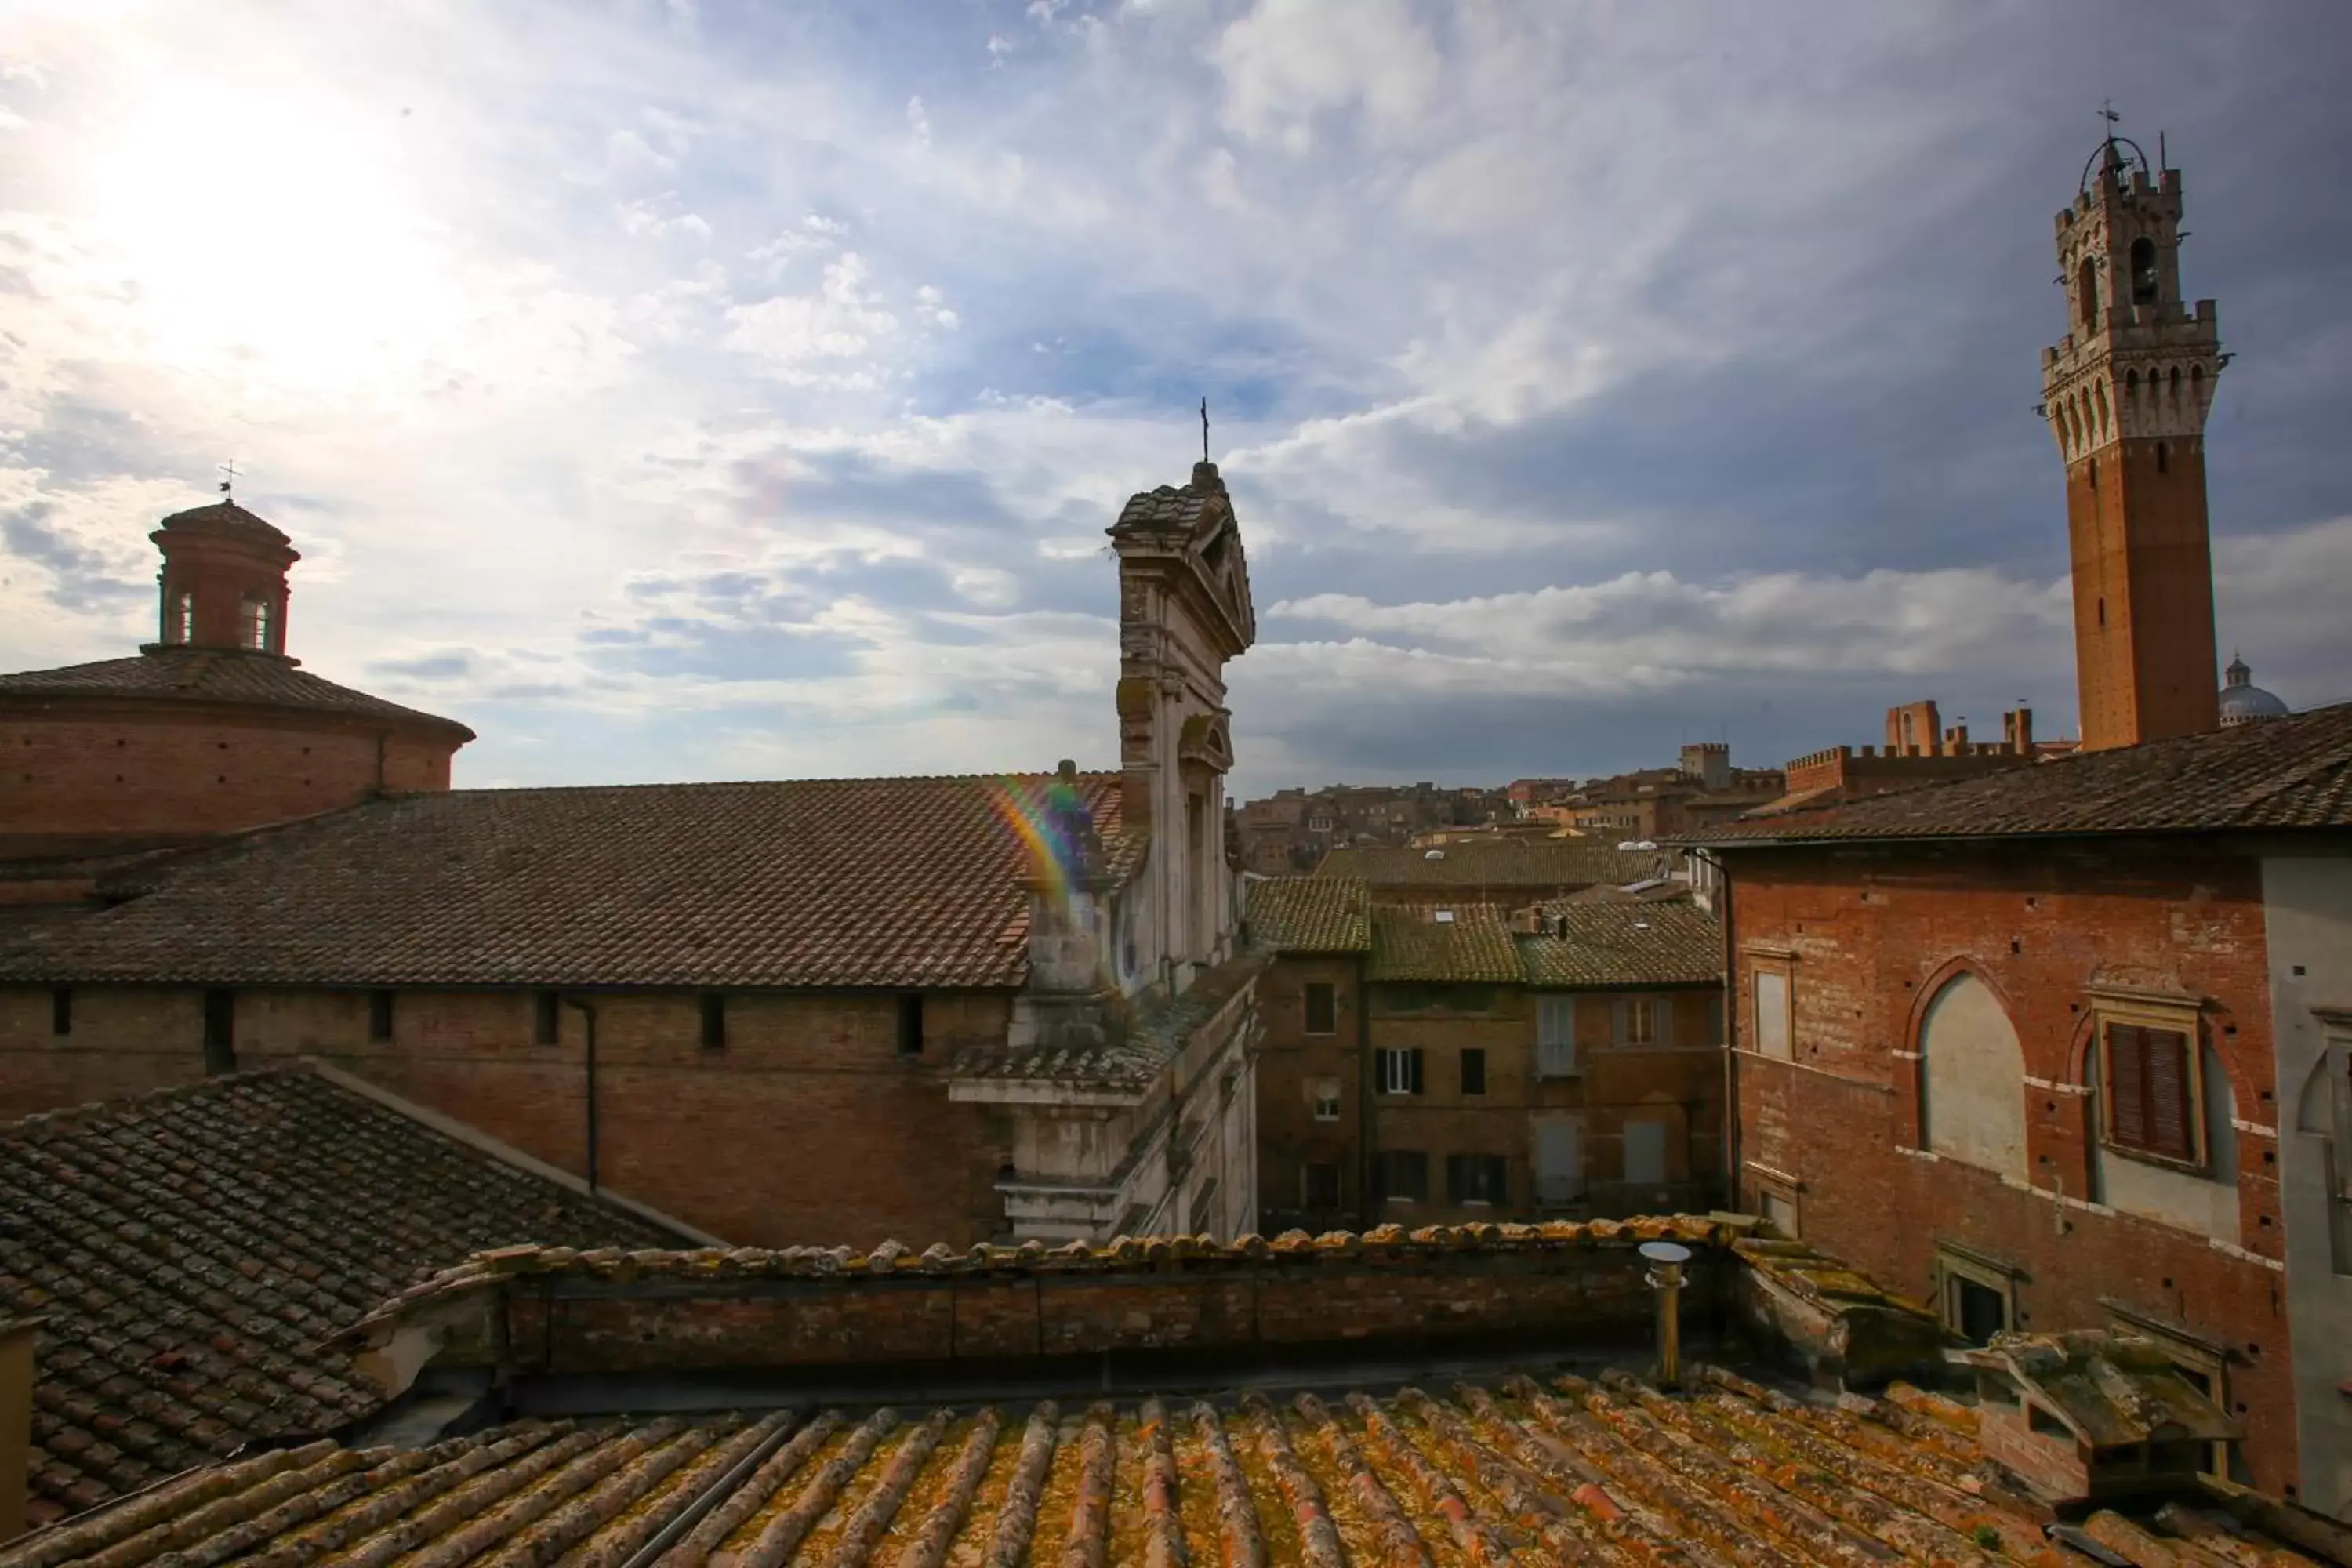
(1665, 1259)
(1365, 1124)
(588, 1018)
(1730, 1193)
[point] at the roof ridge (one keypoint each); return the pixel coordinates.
(1105, 775)
(83, 1113)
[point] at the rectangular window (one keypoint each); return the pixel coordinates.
(1324, 1094)
(62, 1010)
(1320, 1186)
(1322, 1009)
(1401, 1176)
(547, 1017)
(1980, 1294)
(1645, 1153)
(1772, 1028)
(910, 1023)
(714, 1022)
(1556, 1037)
(1473, 1071)
(220, 1031)
(1475, 1178)
(379, 1015)
(1559, 1161)
(2150, 1102)
(1637, 1021)
(1399, 1070)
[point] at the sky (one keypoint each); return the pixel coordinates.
(701, 390)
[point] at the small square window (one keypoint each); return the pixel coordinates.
(1473, 1071)
(1322, 1008)
(1325, 1095)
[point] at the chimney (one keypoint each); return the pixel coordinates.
(2017, 730)
(16, 1335)
(1665, 1259)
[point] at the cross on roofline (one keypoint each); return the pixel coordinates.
(228, 476)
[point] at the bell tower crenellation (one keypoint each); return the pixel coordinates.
(2126, 392)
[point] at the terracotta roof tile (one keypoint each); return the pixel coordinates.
(1473, 948)
(912, 882)
(211, 676)
(1310, 914)
(1623, 943)
(1542, 1466)
(2292, 772)
(1538, 866)
(191, 1249)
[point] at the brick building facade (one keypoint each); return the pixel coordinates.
(2066, 1047)
(1432, 1066)
(211, 729)
(838, 1010)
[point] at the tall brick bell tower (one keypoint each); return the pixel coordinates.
(2126, 393)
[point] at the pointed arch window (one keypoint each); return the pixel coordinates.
(256, 632)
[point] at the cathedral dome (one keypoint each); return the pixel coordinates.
(2244, 702)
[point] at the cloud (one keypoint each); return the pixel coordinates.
(699, 391)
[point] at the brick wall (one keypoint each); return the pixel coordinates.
(162, 771)
(1868, 935)
(2143, 575)
(1290, 1063)
(1577, 1285)
(807, 1127)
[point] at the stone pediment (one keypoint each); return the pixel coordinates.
(1207, 741)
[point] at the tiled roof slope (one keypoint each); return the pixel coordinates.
(1539, 865)
(911, 882)
(1473, 948)
(191, 1249)
(212, 675)
(1310, 914)
(1142, 1039)
(1542, 1467)
(2294, 772)
(1627, 944)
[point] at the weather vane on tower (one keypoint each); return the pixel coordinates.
(228, 476)
(1204, 429)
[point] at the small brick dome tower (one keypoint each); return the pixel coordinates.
(224, 579)
(211, 729)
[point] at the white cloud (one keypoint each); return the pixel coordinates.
(1290, 60)
(840, 322)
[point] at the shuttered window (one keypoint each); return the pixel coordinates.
(2151, 1109)
(1556, 1037)
(1399, 1070)
(1400, 1175)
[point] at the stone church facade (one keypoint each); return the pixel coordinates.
(824, 1011)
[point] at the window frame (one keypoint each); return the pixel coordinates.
(1461, 1164)
(1637, 1021)
(1386, 1160)
(1328, 993)
(1398, 1070)
(1957, 1264)
(1316, 1099)
(1556, 1054)
(1467, 1058)
(2181, 1016)
(1782, 966)
(252, 623)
